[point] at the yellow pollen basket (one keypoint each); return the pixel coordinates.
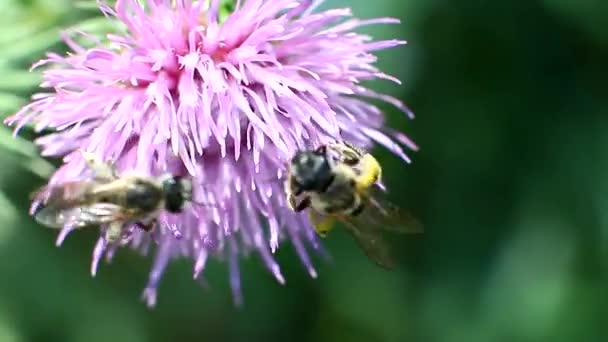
(323, 227)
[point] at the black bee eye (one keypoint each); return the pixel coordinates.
(174, 194)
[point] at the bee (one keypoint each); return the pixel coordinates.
(337, 182)
(111, 200)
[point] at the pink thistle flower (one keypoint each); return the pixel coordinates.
(226, 103)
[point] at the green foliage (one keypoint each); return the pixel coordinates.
(226, 7)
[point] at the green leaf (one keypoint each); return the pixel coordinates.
(226, 8)
(34, 45)
(16, 80)
(86, 5)
(24, 148)
(98, 25)
(8, 213)
(9, 103)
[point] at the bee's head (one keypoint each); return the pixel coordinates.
(311, 171)
(177, 191)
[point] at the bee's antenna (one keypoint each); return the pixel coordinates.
(201, 204)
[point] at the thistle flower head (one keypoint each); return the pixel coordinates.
(225, 103)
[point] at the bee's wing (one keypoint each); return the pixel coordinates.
(79, 217)
(379, 214)
(66, 194)
(372, 243)
(369, 240)
(382, 214)
(110, 191)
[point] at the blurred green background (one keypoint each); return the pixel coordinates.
(510, 181)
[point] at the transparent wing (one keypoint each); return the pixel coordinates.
(82, 193)
(377, 216)
(372, 243)
(79, 217)
(380, 213)
(64, 195)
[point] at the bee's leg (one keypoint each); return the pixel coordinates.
(291, 201)
(147, 227)
(113, 232)
(348, 144)
(305, 203)
(357, 150)
(102, 170)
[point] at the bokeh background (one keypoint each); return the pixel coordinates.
(511, 182)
